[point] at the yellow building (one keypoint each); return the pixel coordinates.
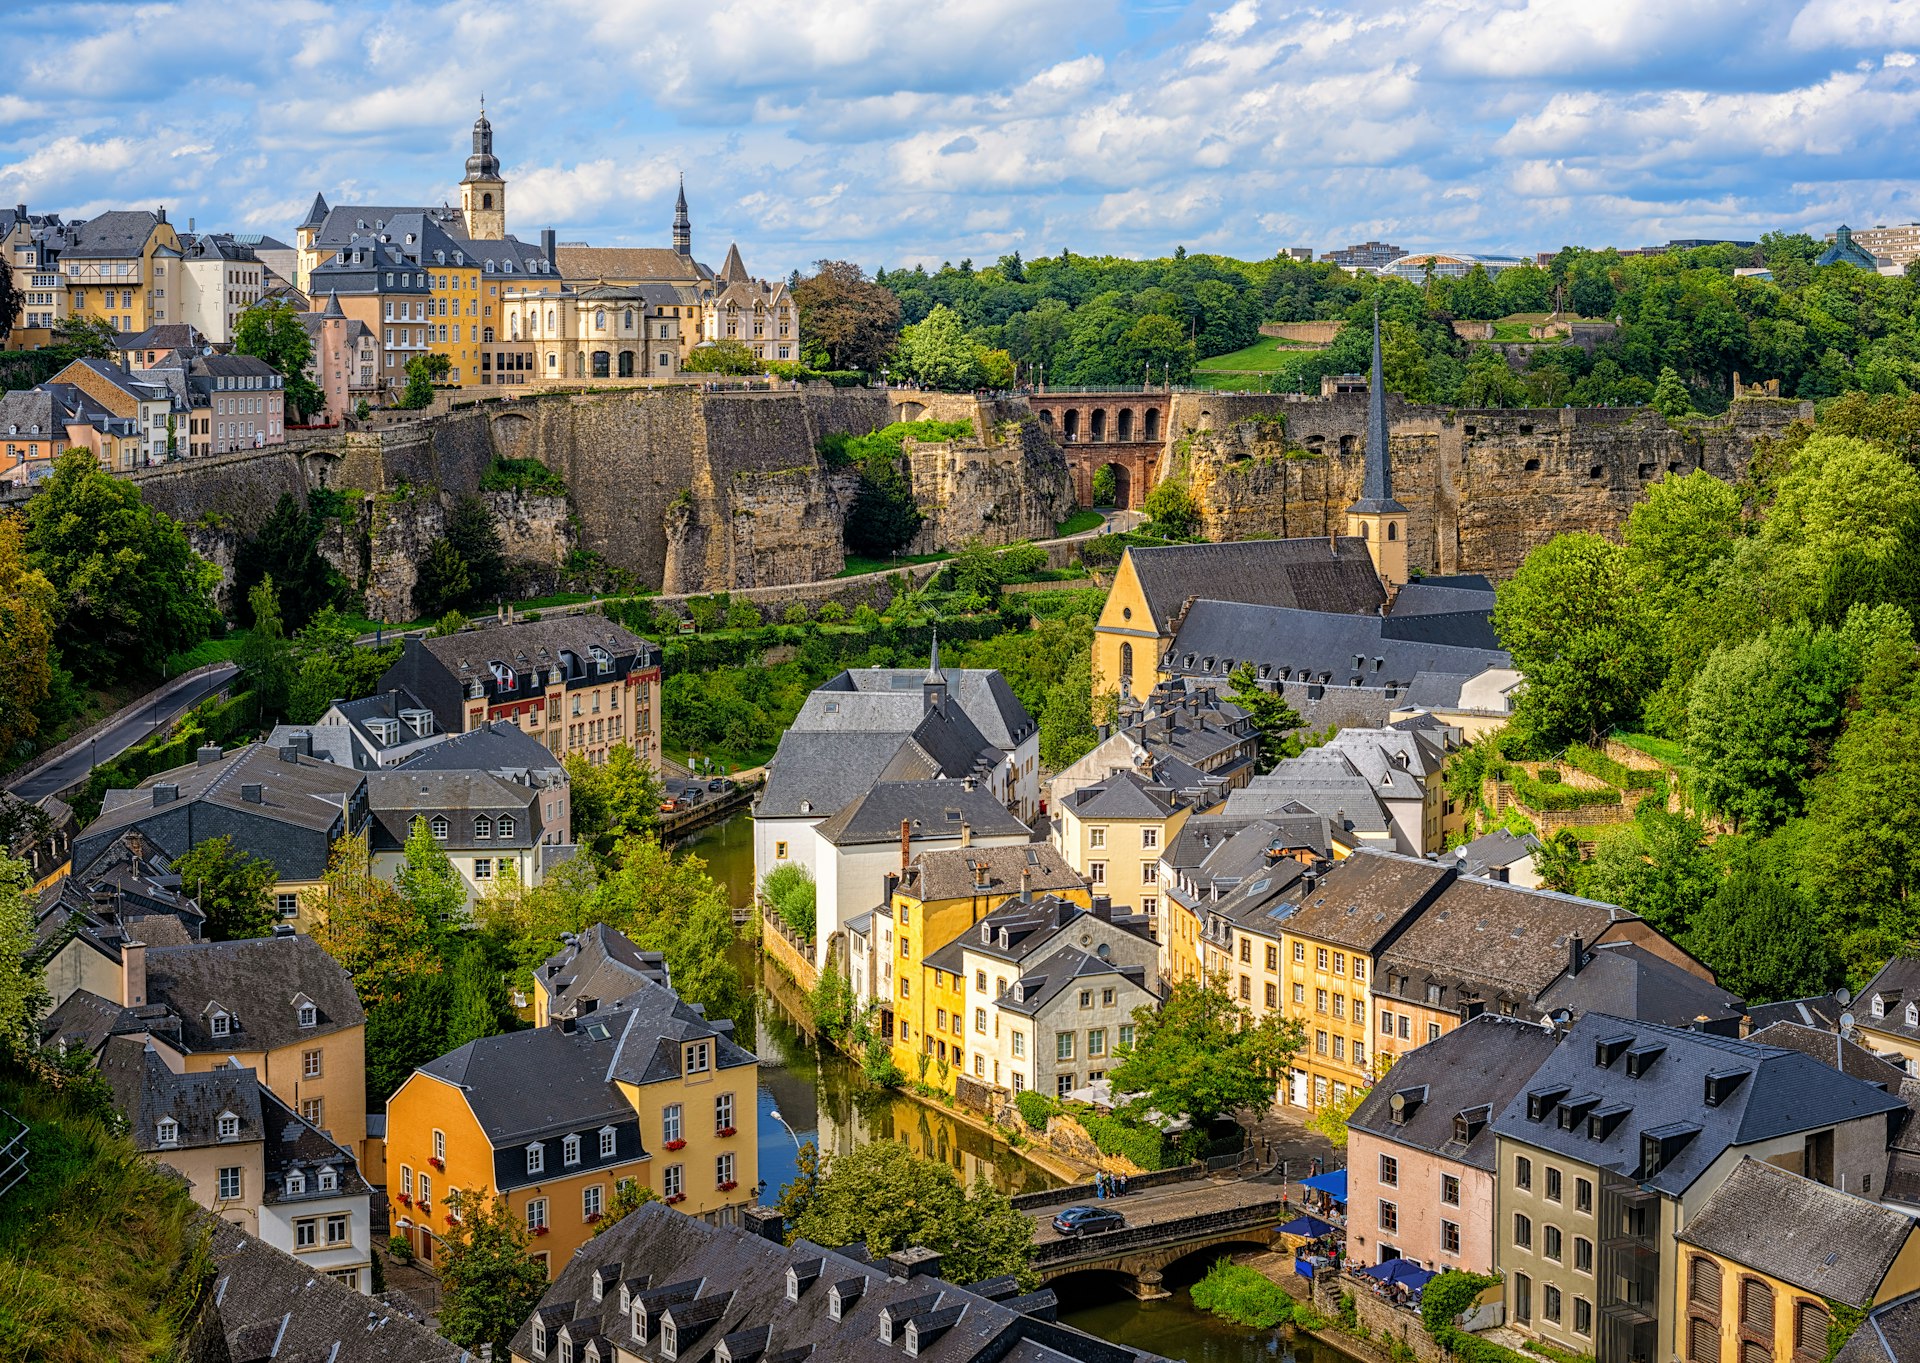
(555, 1118)
(1748, 1290)
(942, 895)
(124, 268)
(1114, 832)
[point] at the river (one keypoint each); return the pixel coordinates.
(816, 1094)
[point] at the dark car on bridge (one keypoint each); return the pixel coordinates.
(1088, 1220)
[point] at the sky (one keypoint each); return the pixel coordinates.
(894, 132)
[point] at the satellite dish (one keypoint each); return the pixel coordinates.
(1845, 996)
(1846, 1023)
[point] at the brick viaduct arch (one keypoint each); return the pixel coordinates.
(1125, 429)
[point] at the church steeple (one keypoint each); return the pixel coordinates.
(1376, 517)
(483, 193)
(682, 224)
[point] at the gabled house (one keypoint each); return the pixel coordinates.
(1886, 1014)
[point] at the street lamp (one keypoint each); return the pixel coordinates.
(774, 1113)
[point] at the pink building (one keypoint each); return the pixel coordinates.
(1420, 1148)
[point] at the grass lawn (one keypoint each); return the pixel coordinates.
(1515, 333)
(1660, 749)
(1078, 522)
(857, 565)
(1267, 355)
(210, 651)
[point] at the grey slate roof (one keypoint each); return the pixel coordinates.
(1122, 795)
(1778, 1093)
(1495, 851)
(123, 232)
(600, 964)
(1830, 1048)
(296, 1145)
(1322, 781)
(814, 774)
(1320, 647)
(1629, 981)
(1831, 1243)
(1020, 929)
(1376, 484)
(1816, 1010)
(146, 1092)
(441, 670)
(933, 809)
(272, 1306)
(1473, 1070)
(501, 747)
(1305, 574)
(1366, 901)
(256, 981)
(982, 692)
(1890, 1334)
(988, 872)
(1068, 968)
(655, 1250)
(1896, 986)
(329, 742)
(397, 798)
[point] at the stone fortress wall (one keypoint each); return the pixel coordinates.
(694, 492)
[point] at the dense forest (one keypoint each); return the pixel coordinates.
(1765, 631)
(1104, 320)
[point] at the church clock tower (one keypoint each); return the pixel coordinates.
(483, 194)
(1377, 518)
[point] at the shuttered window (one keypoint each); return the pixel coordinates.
(1751, 1352)
(1756, 1307)
(1703, 1284)
(1810, 1330)
(1703, 1342)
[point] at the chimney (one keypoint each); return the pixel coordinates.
(765, 1222)
(304, 742)
(1026, 884)
(1576, 951)
(915, 1261)
(285, 930)
(165, 793)
(133, 974)
(906, 844)
(189, 226)
(1103, 907)
(290, 752)
(889, 885)
(209, 752)
(1103, 732)
(966, 834)
(253, 793)
(161, 213)
(568, 1024)
(547, 245)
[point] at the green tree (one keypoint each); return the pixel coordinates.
(128, 588)
(287, 549)
(27, 602)
(266, 655)
(405, 1032)
(629, 1196)
(1490, 381)
(722, 357)
(1106, 486)
(83, 338)
(618, 798)
(938, 353)
(423, 371)
(375, 934)
(427, 881)
(444, 580)
(1581, 635)
(1658, 867)
(10, 300)
(1843, 529)
(473, 535)
(853, 320)
(23, 993)
(890, 1198)
(1171, 507)
(1272, 718)
(479, 1006)
(231, 888)
(1862, 865)
(317, 682)
(489, 1280)
(1670, 396)
(1762, 940)
(1201, 1053)
(272, 331)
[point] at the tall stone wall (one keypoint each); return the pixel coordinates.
(1482, 487)
(1010, 485)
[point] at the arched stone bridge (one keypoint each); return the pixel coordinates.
(1164, 1225)
(1127, 429)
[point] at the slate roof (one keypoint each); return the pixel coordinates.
(30, 411)
(440, 670)
(272, 1306)
(295, 1145)
(814, 774)
(1122, 795)
(1830, 1048)
(1890, 1334)
(1305, 574)
(306, 793)
(500, 747)
(397, 798)
(934, 809)
(640, 263)
(146, 1092)
(1791, 1228)
(1366, 901)
(546, 1080)
(1320, 647)
(983, 694)
(1473, 1070)
(1816, 1010)
(1261, 899)
(1322, 781)
(1495, 851)
(1028, 927)
(1897, 985)
(121, 233)
(655, 1249)
(1774, 1092)
(600, 964)
(256, 981)
(328, 742)
(1068, 968)
(84, 1021)
(988, 872)
(1629, 981)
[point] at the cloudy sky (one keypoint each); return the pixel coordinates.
(894, 131)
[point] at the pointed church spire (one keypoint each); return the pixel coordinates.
(1376, 488)
(933, 663)
(682, 224)
(734, 271)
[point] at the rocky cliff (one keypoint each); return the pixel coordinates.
(1008, 483)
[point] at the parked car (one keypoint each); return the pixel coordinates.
(1088, 1220)
(669, 805)
(720, 783)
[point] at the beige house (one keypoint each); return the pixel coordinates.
(554, 332)
(122, 267)
(1114, 831)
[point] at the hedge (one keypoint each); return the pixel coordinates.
(1144, 1145)
(1451, 1294)
(1542, 794)
(1243, 1295)
(211, 721)
(790, 889)
(1035, 1107)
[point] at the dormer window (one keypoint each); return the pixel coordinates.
(1913, 1015)
(168, 1132)
(296, 1182)
(308, 1015)
(440, 827)
(669, 1340)
(566, 1349)
(228, 1126)
(536, 1158)
(539, 1338)
(221, 1025)
(570, 1150)
(1879, 1006)
(482, 828)
(329, 1179)
(505, 826)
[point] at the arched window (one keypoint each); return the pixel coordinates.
(1363, 531)
(1703, 1283)
(602, 363)
(1126, 662)
(599, 319)
(486, 201)
(1393, 530)
(627, 323)
(1810, 1325)
(626, 364)
(549, 319)
(1756, 1316)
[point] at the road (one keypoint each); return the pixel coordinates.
(1172, 1202)
(162, 707)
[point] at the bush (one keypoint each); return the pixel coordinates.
(832, 613)
(1598, 765)
(790, 889)
(1243, 1295)
(1035, 1107)
(523, 475)
(1144, 1145)
(743, 615)
(400, 1248)
(1547, 792)
(796, 614)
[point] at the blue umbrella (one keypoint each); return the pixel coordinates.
(1403, 1272)
(1310, 1226)
(1333, 1184)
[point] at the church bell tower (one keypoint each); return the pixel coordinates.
(1377, 518)
(483, 194)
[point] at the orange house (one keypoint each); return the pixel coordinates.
(556, 1118)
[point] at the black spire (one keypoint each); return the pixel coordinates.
(1376, 489)
(483, 164)
(682, 224)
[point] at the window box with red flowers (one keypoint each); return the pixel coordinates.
(729, 1185)
(727, 1131)
(593, 1218)
(438, 1163)
(676, 1145)
(405, 1200)
(539, 1230)
(677, 1197)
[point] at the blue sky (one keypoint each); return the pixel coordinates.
(894, 131)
